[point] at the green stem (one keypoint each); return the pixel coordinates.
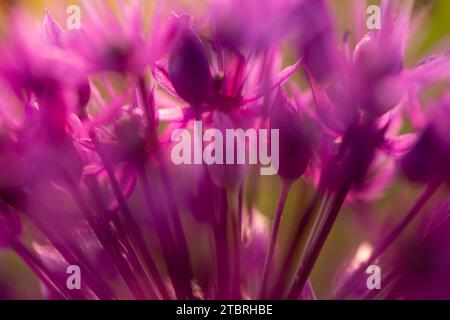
(274, 237)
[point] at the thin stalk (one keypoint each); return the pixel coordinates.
(40, 270)
(221, 248)
(427, 193)
(180, 236)
(72, 254)
(319, 222)
(316, 247)
(112, 243)
(236, 234)
(240, 203)
(149, 109)
(165, 237)
(152, 123)
(253, 192)
(286, 186)
(294, 245)
(131, 282)
(121, 237)
(135, 235)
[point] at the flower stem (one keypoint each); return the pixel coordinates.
(221, 248)
(113, 243)
(149, 108)
(135, 234)
(236, 233)
(165, 237)
(41, 270)
(392, 236)
(131, 282)
(180, 238)
(70, 252)
(274, 237)
(294, 245)
(177, 223)
(318, 242)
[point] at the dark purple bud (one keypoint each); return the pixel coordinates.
(295, 147)
(189, 68)
(428, 159)
(359, 145)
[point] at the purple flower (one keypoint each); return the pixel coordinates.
(88, 181)
(189, 67)
(426, 160)
(295, 149)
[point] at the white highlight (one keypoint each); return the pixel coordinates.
(363, 254)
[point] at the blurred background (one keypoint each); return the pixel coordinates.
(17, 281)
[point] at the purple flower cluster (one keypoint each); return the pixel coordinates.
(86, 177)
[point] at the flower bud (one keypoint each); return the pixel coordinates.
(52, 32)
(295, 148)
(377, 67)
(189, 68)
(428, 159)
